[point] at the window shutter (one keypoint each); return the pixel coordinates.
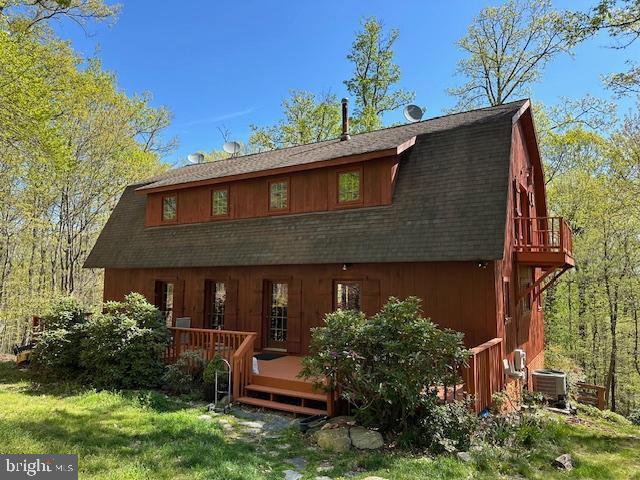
(370, 296)
(255, 311)
(294, 313)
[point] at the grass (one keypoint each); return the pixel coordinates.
(140, 435)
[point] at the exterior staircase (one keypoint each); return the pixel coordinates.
(287, 395)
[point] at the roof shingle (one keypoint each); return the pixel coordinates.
(450, 203)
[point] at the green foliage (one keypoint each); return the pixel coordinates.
(389, 366)
(375, 75)
(59, 347)
(215, 365)
(70, 140)
(312, 118)
(445, 428)
(123, 346)
(507, 47)
(186, 374)
(634, 416)
(308, 118)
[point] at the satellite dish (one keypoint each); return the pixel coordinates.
(231, 147)
(195, 157)
(413, 113)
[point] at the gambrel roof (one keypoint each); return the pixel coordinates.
(450, 203)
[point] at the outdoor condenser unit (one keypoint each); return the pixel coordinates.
(551, 383)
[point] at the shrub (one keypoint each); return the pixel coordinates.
(185, 375)
(123, 346)
(447, 428)
(389, 366)
(634, 416)
(58, 349)
(215, 365)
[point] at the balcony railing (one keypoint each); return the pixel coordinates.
(543, 235)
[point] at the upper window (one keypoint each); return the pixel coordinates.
(279, 195)
(349, 186)
(347, 296)
(169, 208)
(220, 203)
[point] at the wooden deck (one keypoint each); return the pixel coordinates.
(277, 385)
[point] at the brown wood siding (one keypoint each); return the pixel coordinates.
(457, 295)
(525, 331)
(309, 191)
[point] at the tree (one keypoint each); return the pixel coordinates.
(70, 141)
(307, 119)
(374, 76)
(507, 49)
(621, 19)
(312, 118)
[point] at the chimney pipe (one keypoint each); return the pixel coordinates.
(345, 120)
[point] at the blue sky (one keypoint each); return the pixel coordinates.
(215, 63)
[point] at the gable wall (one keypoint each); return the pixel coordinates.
(526, 329)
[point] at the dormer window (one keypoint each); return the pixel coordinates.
(169, 208)
(349, 186)
(279, 195)
(220, 202)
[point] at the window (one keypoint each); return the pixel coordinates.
(525, 281)
(215, 298)
(220, 203)
(347, 296)
(164, 300)
(506, 300)
(278, 313)
(279, 195)
(169, 208)
(349, 186)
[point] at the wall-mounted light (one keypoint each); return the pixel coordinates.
(345, 266)
(482, 263)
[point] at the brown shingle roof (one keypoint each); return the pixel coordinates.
(450, 203)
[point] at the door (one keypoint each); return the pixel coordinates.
(277, 314)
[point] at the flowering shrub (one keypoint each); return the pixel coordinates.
(388, 366)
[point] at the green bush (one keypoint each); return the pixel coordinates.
(388, 366)
(215, 365)
(123, 346)
(185, 375)
(634, 416)
(447, 428)
(58, 349)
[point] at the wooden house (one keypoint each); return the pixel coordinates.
(251, 252)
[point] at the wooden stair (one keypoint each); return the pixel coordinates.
(287, 395)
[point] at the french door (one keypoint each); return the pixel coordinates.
(276, 303)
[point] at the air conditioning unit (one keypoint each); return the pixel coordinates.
(519, 360)
(552, 384)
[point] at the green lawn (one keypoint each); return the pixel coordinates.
(146, 435)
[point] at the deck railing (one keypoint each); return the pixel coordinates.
(242, 366)
(483, 376)
(205, 341)
(591, 395)
(543, 234)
